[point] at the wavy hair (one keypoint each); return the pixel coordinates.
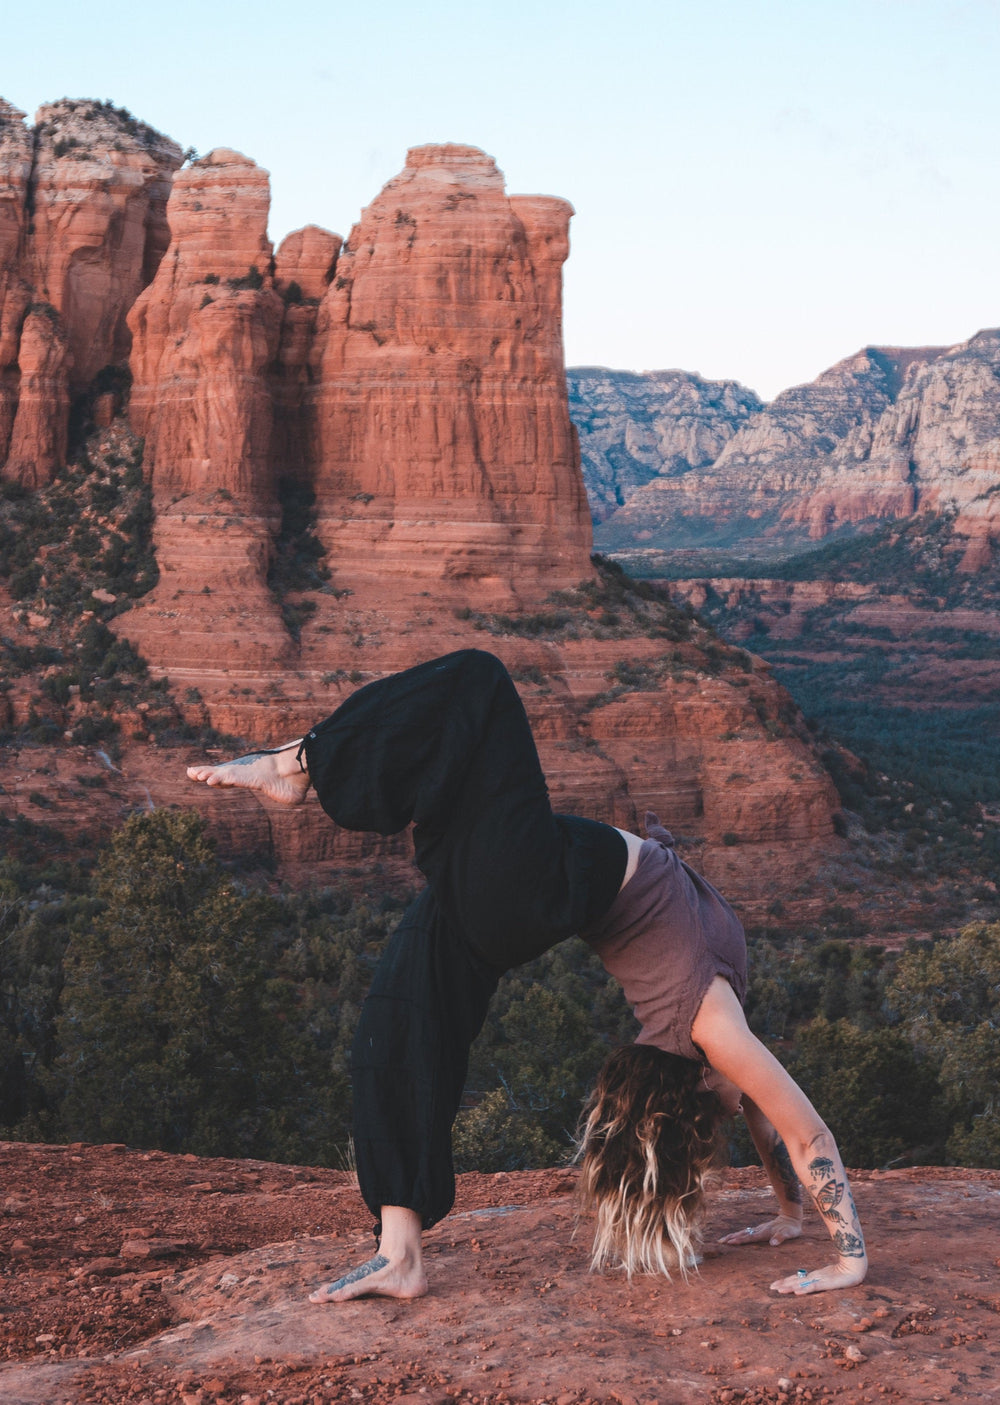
(648, 1141)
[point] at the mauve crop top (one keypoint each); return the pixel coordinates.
(665, 938)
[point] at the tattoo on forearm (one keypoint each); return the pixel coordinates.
(782, 1163)
(829, 1196)
(828, 1192)
(362, 1271)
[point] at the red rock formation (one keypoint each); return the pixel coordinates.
(15, 292)
(38, 436)
(304, 268)
(421, 394)
(82, 228)
(307, 257)
(444, 467)
(205, 332)
(445, 451)
(101, 181)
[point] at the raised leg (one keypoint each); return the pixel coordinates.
(447, 745)
(277, 774)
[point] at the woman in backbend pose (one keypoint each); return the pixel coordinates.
(447, 745)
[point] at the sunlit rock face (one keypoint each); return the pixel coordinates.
(101, 181)
(205, 334)
(82, 229)
(444, 448)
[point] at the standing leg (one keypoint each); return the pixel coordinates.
(447, 745)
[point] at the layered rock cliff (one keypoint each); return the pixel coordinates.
(635, 428)
(82, 228)
(15, 291)
(884, 434)
(205, 334)
(417, 395)
(440, 401)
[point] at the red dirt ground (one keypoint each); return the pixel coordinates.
(130, 1276)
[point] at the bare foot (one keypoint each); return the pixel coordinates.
(276, 775)
(378, 1278)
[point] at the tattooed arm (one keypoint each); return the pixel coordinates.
(721, 1031)
(787, 1187)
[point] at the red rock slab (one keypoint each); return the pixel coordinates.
(513, 1315)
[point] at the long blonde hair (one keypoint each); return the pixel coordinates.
(649, 1139)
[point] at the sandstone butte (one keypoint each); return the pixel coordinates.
(412, 381)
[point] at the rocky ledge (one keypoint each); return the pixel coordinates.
(138, 1276)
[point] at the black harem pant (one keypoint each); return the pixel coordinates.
(447, 745)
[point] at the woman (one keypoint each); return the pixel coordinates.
(447, 746)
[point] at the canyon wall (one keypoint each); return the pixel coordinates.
(883, 434)
(637, 427)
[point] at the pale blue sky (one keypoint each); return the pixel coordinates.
(761, 186)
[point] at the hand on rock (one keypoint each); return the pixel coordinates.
(845, 1273)
(773, 1232)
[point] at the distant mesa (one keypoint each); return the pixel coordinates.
(676, 463)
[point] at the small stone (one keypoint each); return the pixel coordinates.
(784, 1383)
(149, 1249)
(100, 1268)
(854, 1353)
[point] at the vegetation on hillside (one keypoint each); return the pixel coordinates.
(73, 556)
(914, 703)
(156, 1000)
